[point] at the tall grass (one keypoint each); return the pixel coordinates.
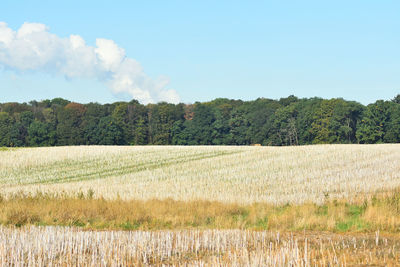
(381, 212)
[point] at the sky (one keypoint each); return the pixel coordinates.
(188, 51)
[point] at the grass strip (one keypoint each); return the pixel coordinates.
(378, 213)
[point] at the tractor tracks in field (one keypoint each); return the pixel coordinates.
(101, 169)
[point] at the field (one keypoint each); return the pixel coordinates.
(200, 206)
(275, 175)
(37, 246)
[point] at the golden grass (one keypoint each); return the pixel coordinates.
(377, 213)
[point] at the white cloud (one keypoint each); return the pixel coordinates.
(29, 28)
(34, 48)
(110, 54)
(6, 34)
(76, 42)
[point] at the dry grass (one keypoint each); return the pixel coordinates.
(276, 175)
(377, 213)
(63, 246)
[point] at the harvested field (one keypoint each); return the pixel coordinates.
(323, 205)
(60, 246)
(275, 175)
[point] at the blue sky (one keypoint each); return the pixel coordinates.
(209, 49)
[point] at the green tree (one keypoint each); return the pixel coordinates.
(109, 132)
(201, 130)
(120, 116)
(39, 134)
(6, 125)
(69, 128)
(335, 121)
(90, 122)
(396, 99)
(374, 122)
(392, 130)
(239, 128)
(285, 128)
(161, 118)
(260, 114)
(138, 123)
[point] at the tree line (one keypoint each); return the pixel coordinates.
(287, 121)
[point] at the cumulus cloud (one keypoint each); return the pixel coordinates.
(33, 48)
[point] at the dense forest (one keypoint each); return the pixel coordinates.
(287, 121)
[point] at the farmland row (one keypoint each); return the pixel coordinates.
(245, 175)
(56, 246)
